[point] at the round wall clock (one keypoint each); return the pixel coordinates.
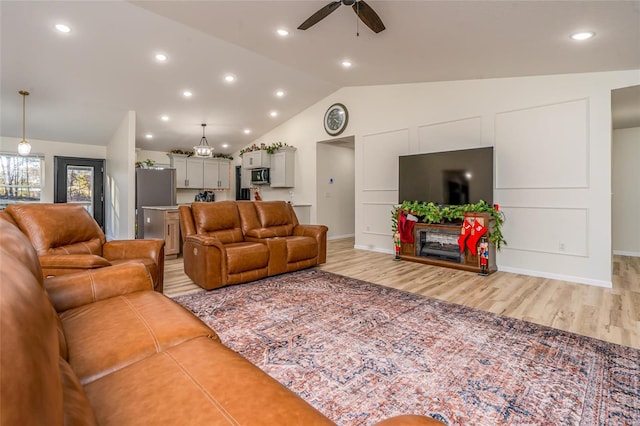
(335, 119)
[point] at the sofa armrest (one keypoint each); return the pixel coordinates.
(314, 231)
(319, 232)
(134, 249)
(72, 261)
(205, 261)
(73, 290)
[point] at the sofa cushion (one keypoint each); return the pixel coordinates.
(220, 220)
(44, 225)
(301, 248)
(243, 257)
(29, 346)
(108, 335)
(77, 410)
(199, 382)
(276, 216)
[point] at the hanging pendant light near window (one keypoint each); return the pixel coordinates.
(203, 149)
(24, 147)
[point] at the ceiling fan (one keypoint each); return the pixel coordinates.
(362, 9)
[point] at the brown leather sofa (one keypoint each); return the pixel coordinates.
(229, 242)
(67, 239)
(99, 347)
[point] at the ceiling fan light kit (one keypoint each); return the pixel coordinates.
(360, 7)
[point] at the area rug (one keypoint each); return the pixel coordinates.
(360, 352)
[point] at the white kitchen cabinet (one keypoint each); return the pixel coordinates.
(256, 159)
(216, 173)
(189, 172)
(200, 173)
(282, 171)
(245, 178)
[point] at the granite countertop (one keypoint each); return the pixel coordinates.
(160, 207)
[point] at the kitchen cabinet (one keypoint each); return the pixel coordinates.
(216, 173)
(164, 223)
(256, 159)
(282, 172)
(200, 173)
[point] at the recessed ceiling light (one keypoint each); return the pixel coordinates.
(161, 57)
(585, 35)
(229, 78)
(282, 32)
(164, 117)
(225, 145)
(148, 136)
(63, 28)
(247, 131)
(273, 113)
(280, 93)
(187, 94)
(346, 63)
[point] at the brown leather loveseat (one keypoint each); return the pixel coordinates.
(100, 347)
(229, 242)
(69, 240)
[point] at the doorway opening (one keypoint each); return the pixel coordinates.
(335, 186)
(80, 181)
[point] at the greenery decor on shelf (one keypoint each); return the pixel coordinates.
(432, 213)
(269, 148)
(181, 152)
(146, 164)
(190, 154)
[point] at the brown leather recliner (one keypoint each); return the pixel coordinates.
(215, 251)
(292, 246)
(67, 239)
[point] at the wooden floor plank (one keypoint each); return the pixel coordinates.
(608, 314)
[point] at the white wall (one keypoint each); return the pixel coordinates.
(51, 149)
(552, 139)
(120, 193)
(625, 179)
(336, 189)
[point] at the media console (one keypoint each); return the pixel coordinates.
(437, 244)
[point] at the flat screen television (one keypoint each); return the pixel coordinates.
(447, 178)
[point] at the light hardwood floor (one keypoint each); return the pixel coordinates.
(608, 314)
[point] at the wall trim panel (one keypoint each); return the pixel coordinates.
(547, 229)
(523, 136)
(380, 153)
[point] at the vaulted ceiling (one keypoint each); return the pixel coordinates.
(83, 82)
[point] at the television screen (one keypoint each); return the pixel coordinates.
(447, 178)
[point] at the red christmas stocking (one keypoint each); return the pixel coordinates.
(472, 242)
(465, 232)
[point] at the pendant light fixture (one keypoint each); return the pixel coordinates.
(203, 149)
(24, 147)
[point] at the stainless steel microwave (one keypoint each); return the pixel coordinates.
(259, 176)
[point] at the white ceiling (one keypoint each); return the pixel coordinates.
(82, 83)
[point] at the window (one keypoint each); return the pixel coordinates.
(20, 178)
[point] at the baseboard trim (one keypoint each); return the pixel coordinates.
(570, 278)
(372, 248)
(627, 253)
(341, 237)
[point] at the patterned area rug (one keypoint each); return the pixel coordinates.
(360, 352)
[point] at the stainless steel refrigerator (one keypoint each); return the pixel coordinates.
(154, 187)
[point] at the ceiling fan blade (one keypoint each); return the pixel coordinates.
(368, 16)
(320, 15)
